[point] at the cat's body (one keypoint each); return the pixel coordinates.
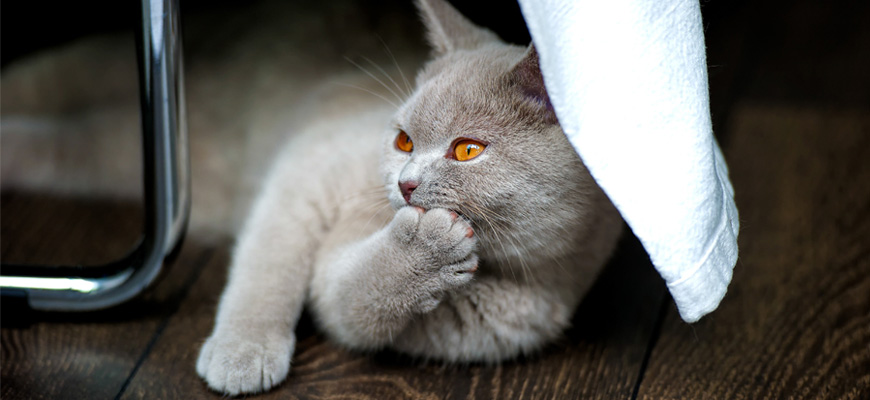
(461, 257)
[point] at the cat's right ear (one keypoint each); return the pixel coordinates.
(447, 30)
(526, 74)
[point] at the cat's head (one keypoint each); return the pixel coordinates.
(479, 136)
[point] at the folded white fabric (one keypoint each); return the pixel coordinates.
(628, 81)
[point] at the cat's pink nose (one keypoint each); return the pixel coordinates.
(406, 188)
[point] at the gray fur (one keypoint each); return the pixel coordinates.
(331, 229)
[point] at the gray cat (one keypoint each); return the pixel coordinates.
(473, 239)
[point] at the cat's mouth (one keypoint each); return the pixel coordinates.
(452, 207)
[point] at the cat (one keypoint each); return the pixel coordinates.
(459, 225)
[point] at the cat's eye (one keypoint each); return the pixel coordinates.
(403, 142)
(467, 149)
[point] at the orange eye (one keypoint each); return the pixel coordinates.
(404, 143)
(466, 149)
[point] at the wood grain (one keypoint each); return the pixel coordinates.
(599, 358)
(52, 229)
(796, 320)
(83, 356)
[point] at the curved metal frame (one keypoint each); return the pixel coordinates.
(166, 181)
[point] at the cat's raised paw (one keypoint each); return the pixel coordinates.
(440, 246)
(233, 363)
(442, 235)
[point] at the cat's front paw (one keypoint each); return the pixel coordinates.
(233, 363)
(442, 245)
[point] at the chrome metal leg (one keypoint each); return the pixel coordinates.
(166, 179)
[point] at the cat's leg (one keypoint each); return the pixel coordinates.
(365, 294)
(493, 319)
(253, 339)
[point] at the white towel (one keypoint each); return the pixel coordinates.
(628, 81)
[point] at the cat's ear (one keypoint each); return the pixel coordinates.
(447, 30)
(526, 74)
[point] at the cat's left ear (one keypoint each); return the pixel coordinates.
(448, 30)
(526, 74)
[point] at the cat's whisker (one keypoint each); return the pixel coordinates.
(371, 202)
(488, 215)
(515, 248)
(390, 102)
(504, 233)
(366, 194)
(486, 218)
(366, 200)
(370, 188)
(393, 81)
(374, 213)
(376, 189)
(373, 189)
(527, 272)
(369, 198)
(361, 68)
(396, 63)
(561, 266)
(373, 208)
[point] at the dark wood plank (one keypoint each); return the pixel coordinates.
(50, 229)
(796, 320)
(599, 357)
(83, 356)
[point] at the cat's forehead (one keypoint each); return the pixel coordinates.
(468, 66)
(464, 92)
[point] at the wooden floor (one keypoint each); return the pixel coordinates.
(790, 91)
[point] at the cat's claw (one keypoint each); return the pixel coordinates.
(459, 274)
(234, 363)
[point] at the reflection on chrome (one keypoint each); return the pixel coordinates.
(77, 284)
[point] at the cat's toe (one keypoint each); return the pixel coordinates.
(405, 222)
(233, 364)
(435, 223)
(204, 359)
(459, 274)
(463, 241)
(449, 236)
